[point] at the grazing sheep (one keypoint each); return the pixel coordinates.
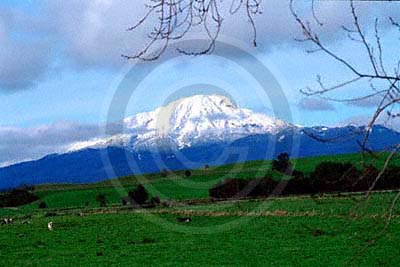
(7, 221)
(184, 219)
(26, 222)
(50, 226)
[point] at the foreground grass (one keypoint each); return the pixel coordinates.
(333, 230)
(153, 238)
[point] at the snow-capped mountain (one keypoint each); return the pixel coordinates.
(194, 131)
(189, 121)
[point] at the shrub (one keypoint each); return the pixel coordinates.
(282, 163)
(139, 195)
(334, 176)
(229, 188)
(43, 205)
(299, 184)
(366, 179)
(17, 197)
(155, 200)
(102, 200)
(390, 179)
(188, 173)
(261, 187)
(126, 200)
(164, 173)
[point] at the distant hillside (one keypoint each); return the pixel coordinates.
(91, 165)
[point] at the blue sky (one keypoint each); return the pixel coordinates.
(60, 64)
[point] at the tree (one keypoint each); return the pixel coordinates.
(155, 200)
(139, 195)
(175, 19)
(17, 197)
(229, 188)
(378, 81)
(282, 163)
(188, 173)
(334, 177)
(102, 200)
(164, 173)
(43, 205)
(382, 76)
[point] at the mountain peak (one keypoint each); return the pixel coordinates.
(194, 120)
(199, 119)
(204, 100)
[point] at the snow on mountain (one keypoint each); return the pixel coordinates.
(120, 140)
(189, 121)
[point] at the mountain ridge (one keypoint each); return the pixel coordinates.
(189, 121)
(191, 135)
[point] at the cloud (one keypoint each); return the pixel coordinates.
(23, 60)
(20, 144)
(362, 120)
(23, 64)
(91, 33)
(315, 104)
(366, 103)
(94, 31)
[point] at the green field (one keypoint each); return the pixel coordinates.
(330, 230)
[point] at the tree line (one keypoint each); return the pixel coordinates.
(327, 177)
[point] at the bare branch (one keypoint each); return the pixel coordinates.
(177, 18)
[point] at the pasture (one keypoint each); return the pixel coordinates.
(328, 230)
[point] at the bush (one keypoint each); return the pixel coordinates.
(102, 200)
(17, 197)
(334, 177)
(299, 184)
(390, 179)
(126, 200)
(188, 173)
(164, 173)
(155, 200)
(229, 188)
(282, 163)
(262, 187)
(139, 195)
(43, 205)
(367, 177)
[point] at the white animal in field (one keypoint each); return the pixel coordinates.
(184, 219)
(7, 221)
(50, 226)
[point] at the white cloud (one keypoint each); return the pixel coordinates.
(23, 60)
(24, 64)
(19, 144)
(91, 33)
(95, 31)
(315, 104)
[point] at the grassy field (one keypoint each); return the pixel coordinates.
(176, 185)
(331, 230)
(296, 231)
